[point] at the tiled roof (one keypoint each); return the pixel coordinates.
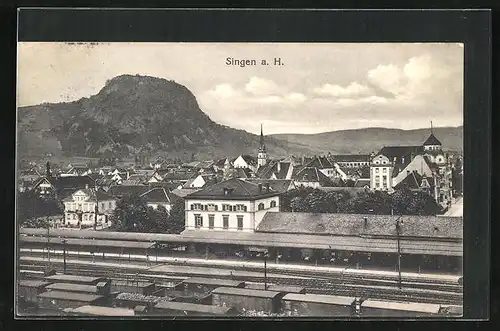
(432, 140)
(72, 182)
(243, 172)
(362, 182)
(349, 158)
(157, 194)
(126, 190)
(249, 159)
(92, 193)
(184, 191)
(234, 188)
(312, 174)
(320, 162)
(411, 181)
(279, 185)
(399, 152)
(354, 225)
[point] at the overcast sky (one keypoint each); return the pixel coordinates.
(320, 87)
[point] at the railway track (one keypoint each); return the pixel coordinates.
(358, 288)
(334, 278)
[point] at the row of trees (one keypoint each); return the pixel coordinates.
(31, 209)
(133, 215)
(404, 201)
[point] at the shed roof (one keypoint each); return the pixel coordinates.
(66, 287)
(70, 296)
(354, 224)
(277, 288)
(74, 278)
(89, 242)
(348, 243)
(33, 283)
(103, 311)
(320, 298)
(404, 306)
(192, 307)
(211, 281)
(245, 292)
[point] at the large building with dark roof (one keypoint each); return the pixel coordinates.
(424, 167)
(231, 205)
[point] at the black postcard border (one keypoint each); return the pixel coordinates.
(470, 27)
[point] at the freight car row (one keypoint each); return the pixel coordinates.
(84, 295)
(313, 285)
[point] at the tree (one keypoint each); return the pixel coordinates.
(407, 202)
(131, 214)
(176, 223)
(30, 207)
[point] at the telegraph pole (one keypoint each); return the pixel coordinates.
(96, 211)
(398, 224)
(265, 270)
(48, 241)
(64, 254)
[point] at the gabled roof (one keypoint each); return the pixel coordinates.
(267, 170)
(411, 181)
(354, 225)
(279, 185)
(157, 194)
(432, 140)
(249, 159)
(70, 182)
(362, 182)
(127, 190)
(400, 151)
(243, 172)
(182, 192)
(349, 158)
(93, 195)
(312, 174)
(233, 189)
(220, 163)
(320, 162)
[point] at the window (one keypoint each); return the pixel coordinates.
(240, 222)
(261, 206)
(241, 208)
(198, 221)
(225, 221)
(384, 181)
(210, 221)
(384, 170)
(212, 207)
(196, 206)
(102, 206)
(376, 170)
(273, 204)
(226, 208)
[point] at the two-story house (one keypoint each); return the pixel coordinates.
(80, 207)
(231, 205)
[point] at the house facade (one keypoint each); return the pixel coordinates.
(231, 205)
(80, 207)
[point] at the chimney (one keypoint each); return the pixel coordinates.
(260, 187)
(86, 186)
(403, 160)
(365, 219)
(267, 187)
(279, 166)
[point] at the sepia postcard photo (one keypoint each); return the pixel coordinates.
(239, 180)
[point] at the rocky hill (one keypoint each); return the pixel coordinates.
(133, 115)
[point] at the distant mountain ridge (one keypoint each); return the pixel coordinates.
(367, 140)
(134, 115)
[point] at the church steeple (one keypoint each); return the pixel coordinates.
(262, 146)
(262, 156)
